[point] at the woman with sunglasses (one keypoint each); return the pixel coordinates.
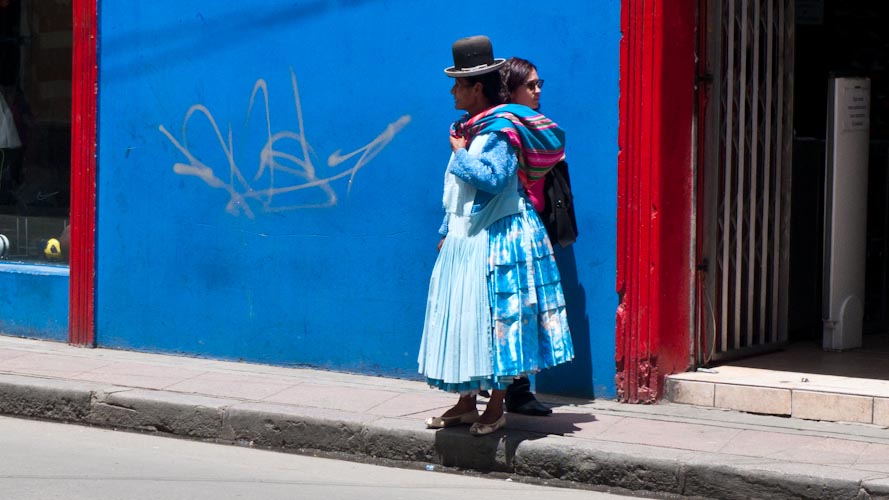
(521, 82)
(495, 309)
(522, 85)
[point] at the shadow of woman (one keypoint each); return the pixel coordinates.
(574, 378)
(497, 452)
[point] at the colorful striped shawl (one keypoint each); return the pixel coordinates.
(539, 142)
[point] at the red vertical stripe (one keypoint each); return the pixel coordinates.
(654, 195)
(81, 316)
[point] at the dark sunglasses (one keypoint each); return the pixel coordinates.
(534, 84)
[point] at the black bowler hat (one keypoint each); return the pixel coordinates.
(473, 56)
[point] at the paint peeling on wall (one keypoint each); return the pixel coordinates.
(285, 167)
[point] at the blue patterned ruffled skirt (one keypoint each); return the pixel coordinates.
(495, 309)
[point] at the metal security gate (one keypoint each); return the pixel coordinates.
(745, 90)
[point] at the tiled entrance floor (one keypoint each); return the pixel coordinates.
(801, 381)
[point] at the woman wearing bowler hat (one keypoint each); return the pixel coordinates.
(495, 309)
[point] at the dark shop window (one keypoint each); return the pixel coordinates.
(35, 130)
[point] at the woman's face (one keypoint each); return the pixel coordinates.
(465, 95)
(528, 93)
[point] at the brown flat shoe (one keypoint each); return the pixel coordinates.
(480, 429)
(441, 422)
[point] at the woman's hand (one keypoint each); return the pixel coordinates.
(441, 242)
(457, 143)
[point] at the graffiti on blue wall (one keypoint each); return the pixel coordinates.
(285, 167)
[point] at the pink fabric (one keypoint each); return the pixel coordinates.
(538, 141)
(535, 193)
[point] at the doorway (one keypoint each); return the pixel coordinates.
(764, 68)
(745, 111)
(839, 38)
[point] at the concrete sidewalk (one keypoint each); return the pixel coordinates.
(666, 448)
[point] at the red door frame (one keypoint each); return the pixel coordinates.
(655, 193)
(84, 91)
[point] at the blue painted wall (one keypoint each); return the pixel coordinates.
(210, 243)
(34, 301)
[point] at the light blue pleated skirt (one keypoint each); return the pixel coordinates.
(495, 309)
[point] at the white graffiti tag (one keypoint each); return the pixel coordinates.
(280, 170)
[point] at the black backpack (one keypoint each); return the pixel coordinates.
(558, 211)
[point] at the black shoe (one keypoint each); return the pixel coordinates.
(531, 407)
(484, 394)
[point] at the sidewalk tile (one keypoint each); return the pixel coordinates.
(233, 385)
(7, 354)
(332, 396)
(751, 399)
(796, 448)
(690, 392)
(412, 403)
(679, 435)
(138, 375)
(832, 406)
(881, 412)
(875, 457)
(50, 365)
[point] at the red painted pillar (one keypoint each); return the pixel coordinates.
(655, 187)
(81, 315)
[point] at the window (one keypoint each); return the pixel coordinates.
(35, 129)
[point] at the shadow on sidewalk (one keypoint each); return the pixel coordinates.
(497, 451)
